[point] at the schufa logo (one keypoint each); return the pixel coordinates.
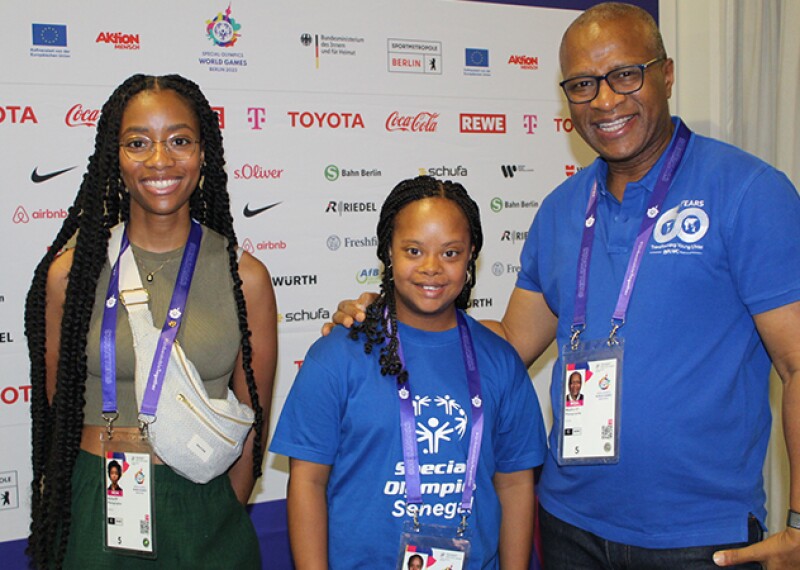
(421, 122)
(77, 116)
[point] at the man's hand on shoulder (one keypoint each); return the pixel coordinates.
(350, 311)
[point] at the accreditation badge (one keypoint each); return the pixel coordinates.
(128, 493)
(591, 383)
(433, 547)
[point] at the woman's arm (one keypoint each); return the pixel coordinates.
(262, 319)
(307, 507)
(56, 292)
(516, 495)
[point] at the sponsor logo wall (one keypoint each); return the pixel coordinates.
(322, 115)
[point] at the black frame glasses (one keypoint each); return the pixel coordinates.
(623, 80)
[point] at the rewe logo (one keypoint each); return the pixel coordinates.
(482, 123)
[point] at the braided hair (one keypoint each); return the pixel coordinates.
(100, 204)
(380, 323)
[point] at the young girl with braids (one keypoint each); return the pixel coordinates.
(413, 362)
(157, 165)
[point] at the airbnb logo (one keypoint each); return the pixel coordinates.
(419, 123)
(77, 116)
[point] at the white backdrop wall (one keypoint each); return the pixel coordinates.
(324, 108)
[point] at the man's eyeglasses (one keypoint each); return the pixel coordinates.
(622, 80)
(140, 148)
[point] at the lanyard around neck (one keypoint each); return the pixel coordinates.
(169, 330)
(408, 423)
(673, 159)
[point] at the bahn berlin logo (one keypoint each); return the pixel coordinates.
(482, 123)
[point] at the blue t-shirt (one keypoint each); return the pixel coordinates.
(342, 412)
(695, 417)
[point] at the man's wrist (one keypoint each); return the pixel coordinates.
(793, 519)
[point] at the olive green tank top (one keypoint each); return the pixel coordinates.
(209, 333)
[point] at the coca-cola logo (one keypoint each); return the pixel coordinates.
(423, 122)
(77, 116)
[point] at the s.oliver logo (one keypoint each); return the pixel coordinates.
(421, 122)
(307, 120)
(77, 116)
(256, 171)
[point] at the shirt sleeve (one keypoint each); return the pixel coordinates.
(528, 277)
(764, 242)
(521, 439)
(310, 422)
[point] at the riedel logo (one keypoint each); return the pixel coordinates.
(77, 116)
(421, 122)
(482, 123)
(307, 120)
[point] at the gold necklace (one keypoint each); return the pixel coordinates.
(150, 275)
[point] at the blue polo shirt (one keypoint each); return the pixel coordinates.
(695, 418)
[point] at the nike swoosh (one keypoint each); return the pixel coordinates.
(248, 213)
(37, 178)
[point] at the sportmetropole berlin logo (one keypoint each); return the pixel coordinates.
(223, 30)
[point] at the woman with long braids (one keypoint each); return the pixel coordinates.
(157, 167)
(427, 419)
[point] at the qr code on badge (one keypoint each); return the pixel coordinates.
(144, 526)
(606, 432)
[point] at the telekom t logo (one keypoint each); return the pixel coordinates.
(530, 122)
(256, 116)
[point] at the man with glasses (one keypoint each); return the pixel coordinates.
(682, 252)
(668, 272)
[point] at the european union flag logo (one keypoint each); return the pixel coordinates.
(50, 35)
(477, 57)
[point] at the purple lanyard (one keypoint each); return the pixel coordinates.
(674, 157)
(169, 331)
(408, 423)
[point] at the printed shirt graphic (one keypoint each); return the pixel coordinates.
(343, 413)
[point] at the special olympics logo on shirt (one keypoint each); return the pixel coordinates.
(688, 224)
(433, 430)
